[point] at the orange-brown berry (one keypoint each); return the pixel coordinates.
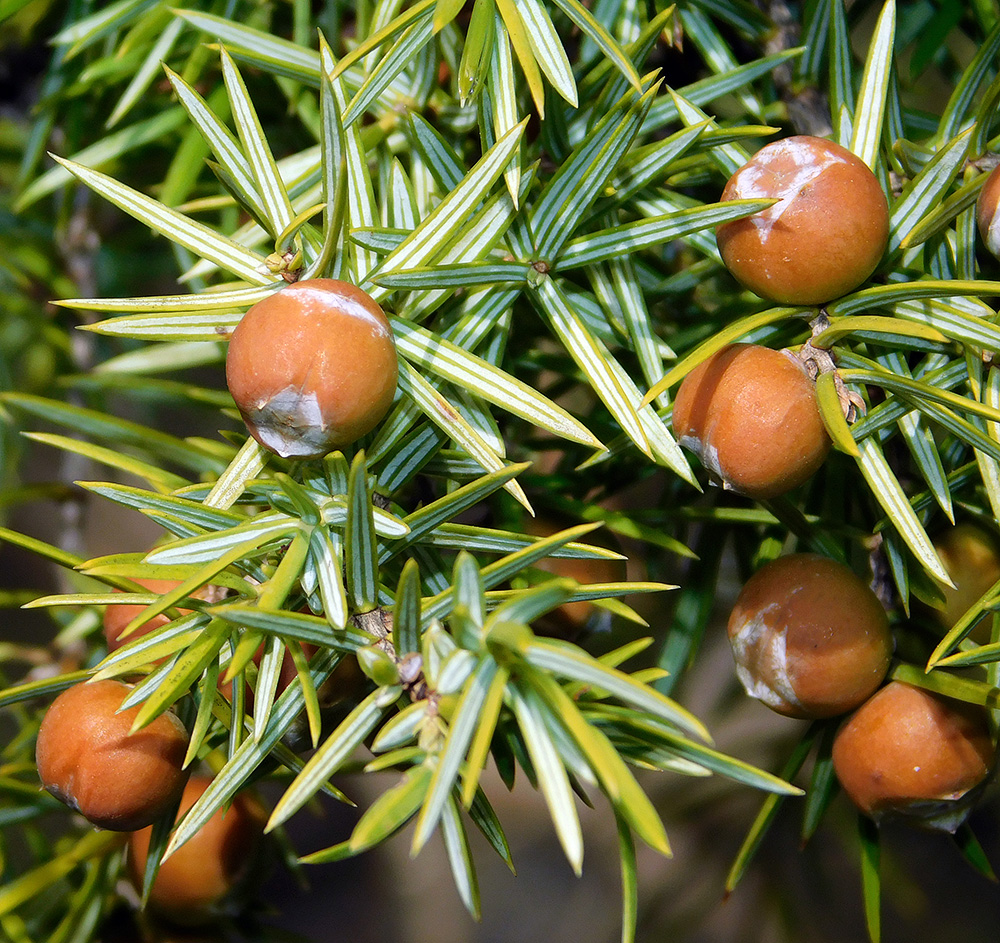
(987, 215)
(751, 416)
(908, 752)
(118, 615)
(810, 639)
(824, 236)
(197, 881)
(87, 758)
(572, 618)
(972, 559)
(312, 367)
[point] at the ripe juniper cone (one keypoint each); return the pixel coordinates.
(202, 878)
(118, 616)
(750, 414)
(988, 212)
(573, 619)
(909, 753)
(824, 236)
(312, 367)
(810, 639)
(87, 758)
(971, 557)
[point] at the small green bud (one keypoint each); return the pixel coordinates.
(378, 665)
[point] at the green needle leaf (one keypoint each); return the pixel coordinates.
(871, 880)
(463, 726)
(523, 49)
(890, 495)
(262, 48)
(390, 812)
(267, 180)
(224, 145)
(198, 238)
(333, 752)
(630, 880)
(456, 843)
(360, 548)
(406, 614)
(552, 777)
(575, 664)
(436, 355)
(547, 48)
(392, 29)
(828, 398)
(585, 21)
(870, 107)
(444, 224)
